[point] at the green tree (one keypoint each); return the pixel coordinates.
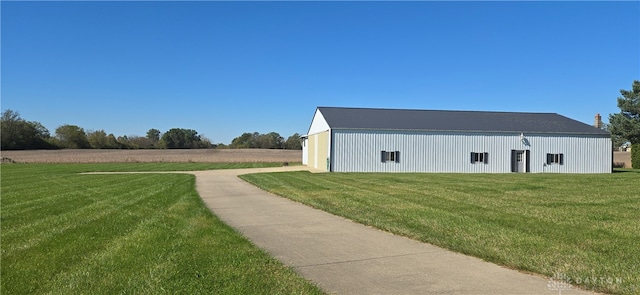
(17, 133)
(72, 137)
(178, 138)
(98, 139)
(139, 142)
(293, 142)
(112, 142)
(205, 143)
(11, 130)
(276, 141)
(123, 142)
(271, 140)
(625, 126)
(635, 156)
(616, 139)
(245, 141)
(154, 136)
(39, 130)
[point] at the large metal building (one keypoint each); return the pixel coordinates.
(395, 140)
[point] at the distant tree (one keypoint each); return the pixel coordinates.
(205, 143)
(293, 142)
(262, 141)
(245, 141)
(39, 130)
(154, 136)
(276, 141)
(11, 130)
(625, 126)
(138, 142)
(112, 142)
(123, 142)
(270, 140)
(98, 139)
(17, 133)
(178, 138)
(72, 137)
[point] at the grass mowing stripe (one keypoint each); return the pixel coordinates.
(61, 243)
(104, 264)
(584, 226)
(141, 234)
(149, 243)
(52, 206)
(63, 218)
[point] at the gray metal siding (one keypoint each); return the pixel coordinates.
(581, 154)
(360, 151)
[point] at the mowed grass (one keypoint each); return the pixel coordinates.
(586, 227)
(66, 233)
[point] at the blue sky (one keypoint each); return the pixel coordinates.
(224, 68)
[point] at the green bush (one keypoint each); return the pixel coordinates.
(635, 156)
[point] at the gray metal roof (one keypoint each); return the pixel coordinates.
(460, 121)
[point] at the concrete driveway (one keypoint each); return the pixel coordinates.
(343, 257)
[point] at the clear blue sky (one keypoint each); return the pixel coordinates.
(224, 68)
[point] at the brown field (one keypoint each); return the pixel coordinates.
(153, 156)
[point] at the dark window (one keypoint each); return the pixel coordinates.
(479, 158)
(555, 159)
(390, 156)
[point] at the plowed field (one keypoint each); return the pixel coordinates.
(153, 156)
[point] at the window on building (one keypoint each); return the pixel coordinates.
(390, 156)
(555, 159)
(479, 158)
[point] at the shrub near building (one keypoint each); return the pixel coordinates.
(635, 156)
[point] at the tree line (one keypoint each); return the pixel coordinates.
(625, 125)
(19, 134)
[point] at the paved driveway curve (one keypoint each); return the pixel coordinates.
(343, 257)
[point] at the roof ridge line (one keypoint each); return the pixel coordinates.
(434, 110)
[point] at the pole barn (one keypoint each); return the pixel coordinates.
(398, 140)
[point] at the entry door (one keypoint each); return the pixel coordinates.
(519, 161)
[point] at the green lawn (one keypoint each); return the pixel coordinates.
(65, 233)
(586, 227)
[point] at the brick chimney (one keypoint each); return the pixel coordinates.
(598, 121)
